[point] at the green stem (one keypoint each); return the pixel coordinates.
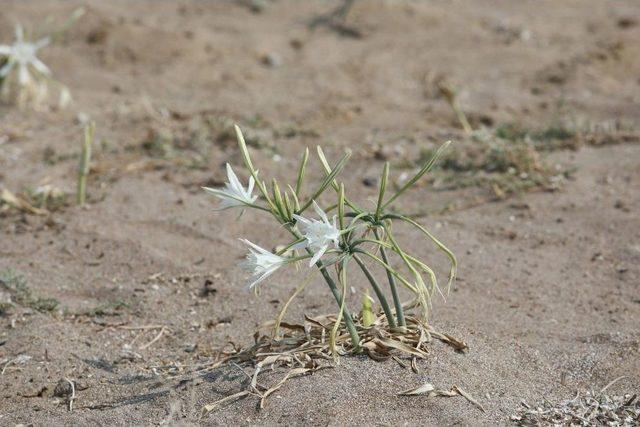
(392, 284)
(383, 300)
(348, 320)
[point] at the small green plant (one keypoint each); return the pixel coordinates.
(353, 234)
(16, 285)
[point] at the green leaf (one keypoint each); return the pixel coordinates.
(301, 171)
(426, 168)
(328, 179)
(383, 188)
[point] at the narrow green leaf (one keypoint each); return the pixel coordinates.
(301, 171)
(327, 180)
(383, 188)
(341, 206)
(277, 197)
(334, 183)
(426, 168)
(254, 173)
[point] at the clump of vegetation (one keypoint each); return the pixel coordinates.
(590, 408)
(16, 285)
(505, 167)
(190, 142)
(25, 79)
(329, 245)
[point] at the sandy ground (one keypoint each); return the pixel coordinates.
(548, 297)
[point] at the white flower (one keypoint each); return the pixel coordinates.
(318, 234)
(23, 55)
(233, 194)
(261, 263)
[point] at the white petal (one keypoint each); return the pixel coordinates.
(256, 247)
(320, 212)
(5, 49)
(317, 256)
(39, 65)
(23, 74)
(264, 275)
(301, 219)
(41, 43)
(233, 180)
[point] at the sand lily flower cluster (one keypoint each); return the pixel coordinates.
(24, 78)
(351, 234)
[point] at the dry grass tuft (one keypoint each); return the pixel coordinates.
(591, 408)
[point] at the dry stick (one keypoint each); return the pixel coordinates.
(450, 95)
(150, 343)
(392, 284)
(85, 160)
(73, 393)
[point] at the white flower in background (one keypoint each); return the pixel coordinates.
(318, 234)
(22, 54)
(261, 263)
(233, 194)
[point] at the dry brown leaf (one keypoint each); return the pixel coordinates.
(468, 397)
(424, 388)
(211, 406)
(11, 199)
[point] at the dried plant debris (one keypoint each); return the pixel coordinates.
(587, 409)
(431, 391)
(299, 349)
(40, 200)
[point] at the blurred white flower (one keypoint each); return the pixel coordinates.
(261, 263)
(318, 234)
(22, 54)
(233, 194)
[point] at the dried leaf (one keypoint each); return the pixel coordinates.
(468, 397)
(295, 372)
(424, 388)
(211, 406)
(11, 199)
(414, 365)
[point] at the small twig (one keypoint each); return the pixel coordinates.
(138, 328)
(157, 337)
(73, 393)
(85, 160)
(612, 383)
